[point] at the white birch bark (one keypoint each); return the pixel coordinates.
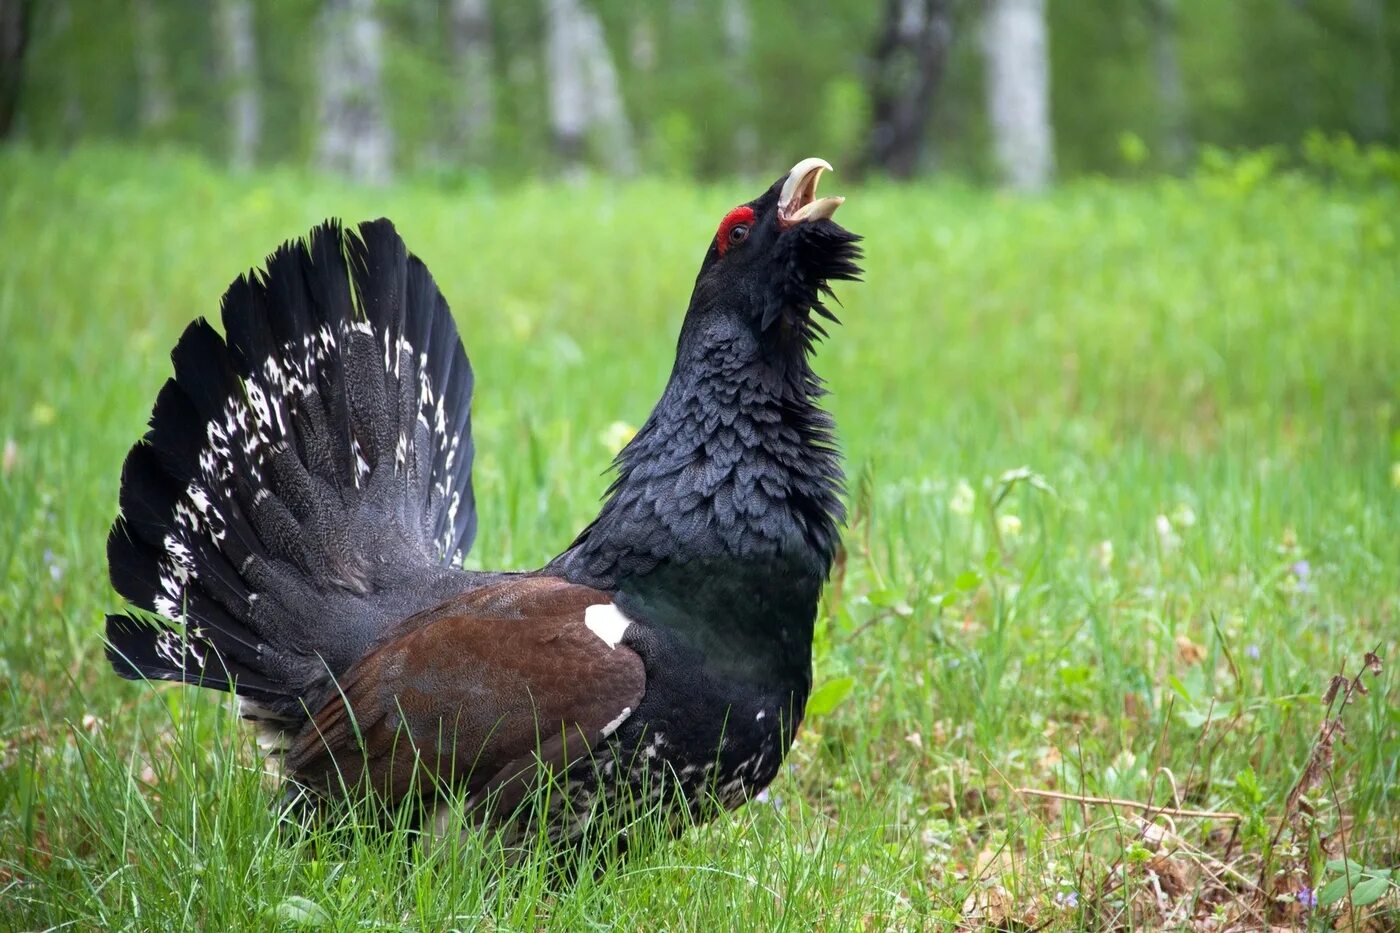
(239, 63)
(584, 96)
(355, 137)
(154, 104)
(474, 65)
(738, 45)
(1171, 92)
(1018, 92)
(609, 113)
(1373, 99)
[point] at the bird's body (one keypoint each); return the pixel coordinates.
(297, 511)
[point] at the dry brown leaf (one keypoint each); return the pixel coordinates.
(1189, 652)
(992, 863)
(1365, 920)
(1172, 875)
(993, 908)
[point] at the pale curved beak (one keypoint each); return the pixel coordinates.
(798, 201)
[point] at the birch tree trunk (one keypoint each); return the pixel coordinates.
(16, 19)
(568, 100)
(155, 107)
(1171, 92)
(738, 47)
(473, 62)
(609, 114)
(1018, 92)
(239, 63)
(908, 63)
(642, 43)
(584, 96)
(355, 136)
(1373, 99)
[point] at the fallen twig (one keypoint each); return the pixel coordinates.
(1133, 804)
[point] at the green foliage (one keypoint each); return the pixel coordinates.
(1341, 158)
(829, 695)
(1202, 369)
(1364, 885)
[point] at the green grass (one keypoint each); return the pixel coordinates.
(1206, 373)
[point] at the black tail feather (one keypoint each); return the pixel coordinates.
(305, 482)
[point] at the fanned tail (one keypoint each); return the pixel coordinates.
(306, 480)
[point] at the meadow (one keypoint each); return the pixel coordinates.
(1125, 497)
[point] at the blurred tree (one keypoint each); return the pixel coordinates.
(15, 23)
(239, 63)
(354, 135)
(1018, 92)
(156, 105)
(473, 64)
(1171, 92)
(1373, 91)
(584, 96)
(700, 86)
(906, 71)
(568, 98)
(738, 47)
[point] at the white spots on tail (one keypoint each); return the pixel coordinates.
(195, 637)
(170, 646)
(361, 464)
(658, 741)
(164, 606)
(425, 387)
(272, 734)
(607, 622)
(184, 563)
(263, 414)
(198, 498)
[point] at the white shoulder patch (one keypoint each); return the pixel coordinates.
(611, 727)
(607, 622)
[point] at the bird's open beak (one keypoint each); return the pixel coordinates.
(798, 200)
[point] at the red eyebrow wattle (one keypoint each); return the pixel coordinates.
(743, 214)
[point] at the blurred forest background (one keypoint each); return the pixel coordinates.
(1012, 91)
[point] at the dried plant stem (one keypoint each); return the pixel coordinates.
(1132, 804)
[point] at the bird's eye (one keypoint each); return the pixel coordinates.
(734, 229)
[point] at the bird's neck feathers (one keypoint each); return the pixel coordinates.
(736, 468)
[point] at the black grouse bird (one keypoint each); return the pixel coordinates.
(298, 510)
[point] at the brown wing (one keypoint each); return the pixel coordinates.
(475, 694)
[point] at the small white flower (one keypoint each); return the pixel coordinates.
(1008, 525)
(55, 565)
(964, 499)
(1166, 537)
(1104, 552)
(617, 436)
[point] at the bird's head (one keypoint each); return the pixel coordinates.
(770, 263)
